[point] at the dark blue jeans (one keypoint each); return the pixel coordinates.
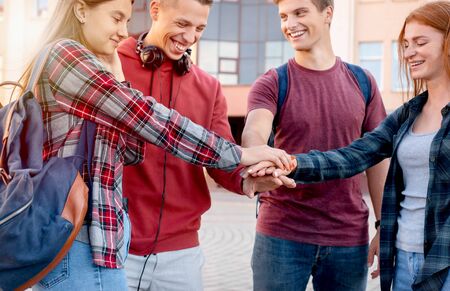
(286, 265)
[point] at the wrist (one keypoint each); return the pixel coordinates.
(377, 224)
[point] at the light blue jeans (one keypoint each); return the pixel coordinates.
(77, 271)
(407, 267)
(283, 265)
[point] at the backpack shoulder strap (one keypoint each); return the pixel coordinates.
(362, 79)
(282, 72)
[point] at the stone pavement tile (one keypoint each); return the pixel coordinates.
(226, 237)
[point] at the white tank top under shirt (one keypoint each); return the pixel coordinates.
(413, 156)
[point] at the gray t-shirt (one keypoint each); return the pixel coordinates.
(413, 156)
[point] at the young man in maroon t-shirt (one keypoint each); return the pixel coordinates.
(314, 229)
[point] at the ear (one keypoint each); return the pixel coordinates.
(329, 14)
(155, 6)
(79, 9)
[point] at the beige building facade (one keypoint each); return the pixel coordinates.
(363, 32)
(21, 25)
(377, 25)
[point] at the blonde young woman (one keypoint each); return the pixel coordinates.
(81, 81)
(415, 220)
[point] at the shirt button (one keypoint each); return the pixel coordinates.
(432, 159)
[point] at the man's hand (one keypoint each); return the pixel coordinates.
(250, 185)
(374, 250)
(265, 168)
(256, 154)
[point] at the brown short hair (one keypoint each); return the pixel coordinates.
(203, 2)
(320, 4)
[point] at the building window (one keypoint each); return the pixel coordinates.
(398, 82)
(370, 58)
(277, 53)
(140, 5)
(228, 65)
(242, 40)
(41, 8)
(220, 58)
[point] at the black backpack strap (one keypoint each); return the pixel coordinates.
(364, 85)
(363, 81)
(282, 72)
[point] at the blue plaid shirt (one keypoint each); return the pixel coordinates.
(375, 146)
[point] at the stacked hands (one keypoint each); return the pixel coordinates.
(267, 169)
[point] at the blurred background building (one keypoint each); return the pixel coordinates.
(241, 42)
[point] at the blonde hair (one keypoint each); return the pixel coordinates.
(62, 24)
(437, 15)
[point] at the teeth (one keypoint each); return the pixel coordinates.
(180, 47)
(297, 33)
(413, 64)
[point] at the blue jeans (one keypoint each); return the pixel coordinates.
(447, 282)
(287, 265)
(77, 271)
(407, 267)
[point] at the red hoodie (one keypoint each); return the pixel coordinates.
(198, 96)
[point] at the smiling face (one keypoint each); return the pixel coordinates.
(104, 25)
(303, 25)
(177, 25)
(423, 51)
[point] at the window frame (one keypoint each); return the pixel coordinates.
(140, 6)
(380, 59)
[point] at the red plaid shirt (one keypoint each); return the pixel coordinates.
(75, 86)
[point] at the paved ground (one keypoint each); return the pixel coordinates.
(227, 240)
(227, 234)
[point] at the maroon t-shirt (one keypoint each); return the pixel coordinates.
(323, 110)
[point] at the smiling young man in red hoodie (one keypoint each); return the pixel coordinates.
(166, 196)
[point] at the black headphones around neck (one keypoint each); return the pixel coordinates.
(152, 57)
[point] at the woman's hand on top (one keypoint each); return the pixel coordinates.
(266, 168)
(254, 155)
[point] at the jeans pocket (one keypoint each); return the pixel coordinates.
(57, 275)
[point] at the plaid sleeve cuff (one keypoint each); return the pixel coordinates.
(126, 84)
